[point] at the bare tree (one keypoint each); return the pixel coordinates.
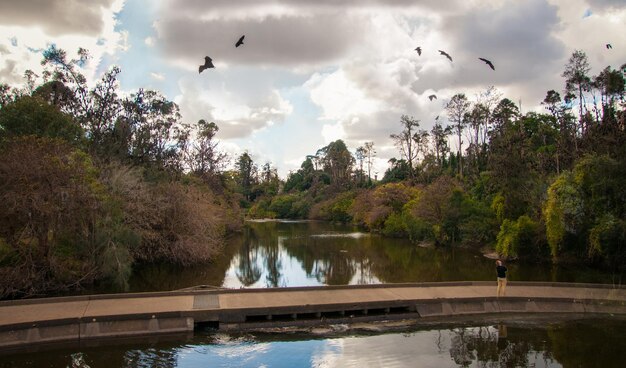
(370, 153)
(456, 109)
(405, 142)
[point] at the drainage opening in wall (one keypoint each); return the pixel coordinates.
(207, 326)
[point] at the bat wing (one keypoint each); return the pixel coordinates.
(488, 62)
(208, 63)
(240, 41)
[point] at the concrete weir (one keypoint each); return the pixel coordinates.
(86, 318)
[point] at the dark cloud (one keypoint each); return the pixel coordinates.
(57, 17)
(517, 37)
(195, 6)
(282, 40)
(607, 4)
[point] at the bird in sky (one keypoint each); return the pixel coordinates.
(432, 97)
(208, 63)
(488, 63)
(419, 50)
(445, 54)
(240, 42)
(608, 46)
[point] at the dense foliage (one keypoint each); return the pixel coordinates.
(535, 185)
(92, 182)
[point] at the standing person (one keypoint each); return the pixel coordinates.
(501, 272)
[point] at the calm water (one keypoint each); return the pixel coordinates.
(555, 344)
(278, 254)
(270, 254)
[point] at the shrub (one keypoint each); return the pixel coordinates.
(516, 238)
(336, 209)
(394, 226)
(372, 208)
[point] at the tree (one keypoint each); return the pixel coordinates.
(440, 141)
(154, 123)
(34, 116)
(337, 162)
(360, 154)
(48, 194)
(611, 84)
(370, 153)
(97, 108)
(205, 159)
(456, 109)
(246, 172)
(566, 140)
(405, 141)
(576, 79)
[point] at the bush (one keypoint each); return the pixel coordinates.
(607, 239)
(335, 209)
(34, 116)
(417, 229)
(372, 208)
(260, 209)
(394, 226)
(517, 238)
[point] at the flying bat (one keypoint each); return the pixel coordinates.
(240, 42)
(432, 97)
(208, 63)
(488, 63)
(608, 46)
(445, 54)
(419, 50)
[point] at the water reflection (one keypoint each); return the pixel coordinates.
(586, 343)
(278, 254)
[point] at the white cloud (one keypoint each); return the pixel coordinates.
(332, 132)
(157, 76)
(352, 62)
(236, 116)
(34, 25)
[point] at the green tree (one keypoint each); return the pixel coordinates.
(577, 80)
(337, 162)
(440, 141)
(246, 172)
(34, 116)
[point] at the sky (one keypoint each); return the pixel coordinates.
(314, 71)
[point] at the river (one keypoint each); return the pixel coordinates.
(292, 253)
(288, 253)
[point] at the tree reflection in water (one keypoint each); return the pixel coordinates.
(162, 358)
(493, 346)
(248, 270)
(278, 254)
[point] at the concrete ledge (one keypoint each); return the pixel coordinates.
(82, 318)
(42, 334)
(77, 331)
(91, 330)
(303, 288)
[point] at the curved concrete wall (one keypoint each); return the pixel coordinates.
(36, 321)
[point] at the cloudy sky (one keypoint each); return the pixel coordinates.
(313, 71)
